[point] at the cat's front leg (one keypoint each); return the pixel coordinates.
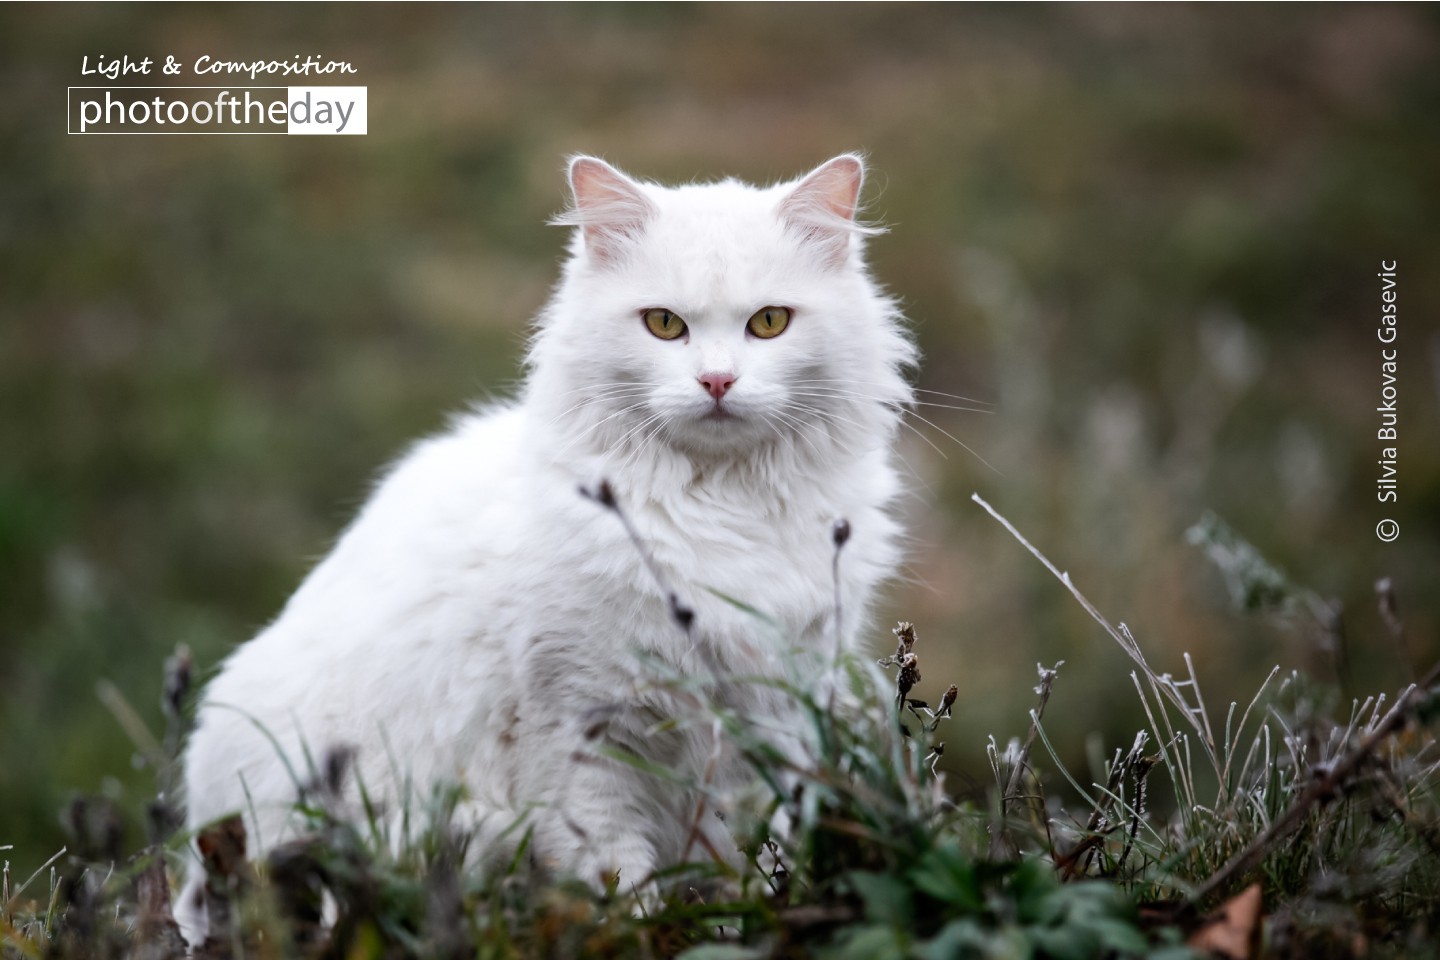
(599, 826)
(490, 833)
(624, 863)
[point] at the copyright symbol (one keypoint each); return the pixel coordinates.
(1387, 530)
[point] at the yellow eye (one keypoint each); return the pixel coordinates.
(664, 324)
(769, 322)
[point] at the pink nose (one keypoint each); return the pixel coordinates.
(717, 383)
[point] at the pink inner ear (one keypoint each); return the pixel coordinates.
(832, 188)
(822, 206)
(597, 184)
(608, 205)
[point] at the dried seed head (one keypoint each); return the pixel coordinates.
(334, 767)
(905, 636)
(602, 493)
(1047, 677)
(909, 673)
(948, 701)
(682, 614)
(840, 532)
(179, 671)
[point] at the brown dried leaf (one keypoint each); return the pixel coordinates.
(1233, 931)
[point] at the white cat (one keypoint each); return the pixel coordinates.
(718, 353)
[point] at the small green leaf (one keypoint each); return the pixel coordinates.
(945, 874)
(868, 943)
(887, 899)
(1071, 942)
(959, 938)
(1118, 935)
(721, 951)
(1174, 952)
(1033, 884)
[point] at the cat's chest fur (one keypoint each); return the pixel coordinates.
(750, 552)
(489, 540)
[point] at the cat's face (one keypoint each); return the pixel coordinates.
(714, 318)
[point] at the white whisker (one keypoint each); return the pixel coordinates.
(604, 394)
(629, 408)
(799, 427)
(852, 395)
(661, 421)
(829, 419)
(878, 383)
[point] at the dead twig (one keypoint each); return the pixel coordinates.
(157, 935)
(706, 783)
(680, 612)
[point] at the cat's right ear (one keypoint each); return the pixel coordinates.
(608, 206)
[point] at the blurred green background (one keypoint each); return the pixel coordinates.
(1148, 234)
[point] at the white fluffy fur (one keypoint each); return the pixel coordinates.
(478, 609)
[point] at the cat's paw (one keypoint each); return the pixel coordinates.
(622, 868)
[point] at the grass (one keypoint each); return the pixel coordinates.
(1329, 811)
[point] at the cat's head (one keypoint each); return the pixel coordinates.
(719, 318)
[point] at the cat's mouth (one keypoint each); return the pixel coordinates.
(718, 413)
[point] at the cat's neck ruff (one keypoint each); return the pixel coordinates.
(763, 477)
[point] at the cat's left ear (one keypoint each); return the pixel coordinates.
(608, 206)
(823, 204)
